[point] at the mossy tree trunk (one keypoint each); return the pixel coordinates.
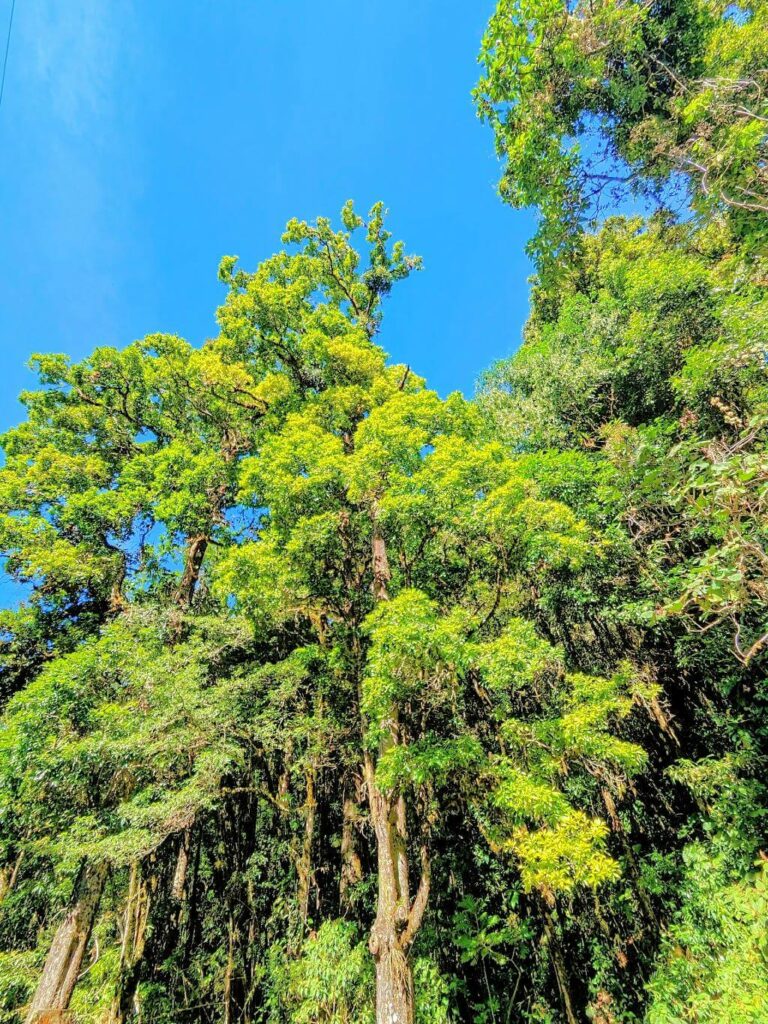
(65, 956)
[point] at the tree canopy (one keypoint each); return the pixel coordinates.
(335, 700)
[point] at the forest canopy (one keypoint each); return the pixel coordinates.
(333, 700)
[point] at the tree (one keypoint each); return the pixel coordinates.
(393, 542)
(594, 104)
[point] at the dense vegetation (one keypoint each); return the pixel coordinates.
(335, 701)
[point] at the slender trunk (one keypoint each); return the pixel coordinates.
(197, 544)
(135, 918)
(65, 957)
(351, 866)
(8, 877)
(193, 563)
(188, 919)
(182, 867)
(381, 572)
(252, 974)
(618, 828)
(561, 974)
(304, 861)
(185, 591)
(397, 920)
(229, 971)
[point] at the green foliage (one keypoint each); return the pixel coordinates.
(321, 675)
(639, 399)
(331, 980)
(714, 955)
(594, 103)
(419, 657)
(119, 744)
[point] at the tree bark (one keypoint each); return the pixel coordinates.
(229, 971)
(65, 957)
(197, 545)
(381, 571)
(397, 920)
(135, 919)
(304, 860)
(193, 563)
(351, 865)
(394, 978)
(561, 974)
(8, 877)
(179, 885)
(394, 984)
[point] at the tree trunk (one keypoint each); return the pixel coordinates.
(229, 1007)
(193, 563)
(558, 962)
(304, 860)
(397, 920)
(351, 865)
(394, 983)
(197, 544)
(182, 866)
(65, 957)
(8, 877)
(135, 919)
(394, 979)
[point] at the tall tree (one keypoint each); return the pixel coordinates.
(394, 543)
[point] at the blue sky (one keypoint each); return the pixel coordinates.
(143, 140)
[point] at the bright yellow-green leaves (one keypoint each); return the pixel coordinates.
(465, 529)
(286, 567)
(512, 661)
(310, 312)
(121, 443)
(570, 853)
(296, 471)
(548, 726)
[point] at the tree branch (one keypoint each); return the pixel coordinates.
(419, 903)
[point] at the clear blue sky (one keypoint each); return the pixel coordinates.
(143, 140)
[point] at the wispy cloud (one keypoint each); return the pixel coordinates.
(70, 54)
(70, 120)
